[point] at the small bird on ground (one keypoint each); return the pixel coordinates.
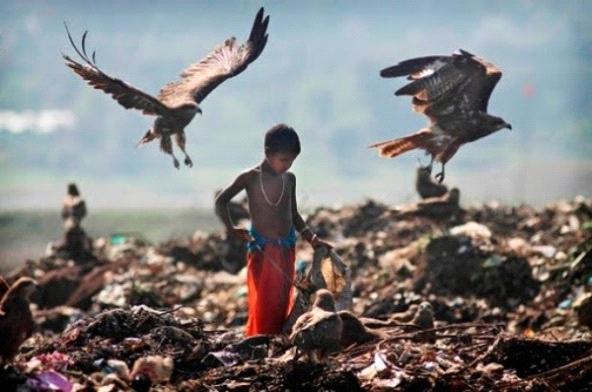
(453, 92)
(424, 319)
(178, 102)
(16, 320)
(317, 332)
(354, 330)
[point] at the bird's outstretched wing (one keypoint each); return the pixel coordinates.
(128, 96)
(483, 82)
(225, 61)
(442, 85)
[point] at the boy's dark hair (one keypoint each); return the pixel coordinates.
(282, 138)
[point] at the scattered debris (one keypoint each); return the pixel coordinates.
(437, 297)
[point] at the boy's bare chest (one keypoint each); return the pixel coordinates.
(272, 193)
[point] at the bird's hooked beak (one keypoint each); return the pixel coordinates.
(509, 126)
(199, 110)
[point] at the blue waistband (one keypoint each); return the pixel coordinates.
(259, 241)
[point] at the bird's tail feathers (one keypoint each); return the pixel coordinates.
(396, 147)
(147, 138)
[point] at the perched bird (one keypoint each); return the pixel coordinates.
(179, 101)
(424, 320)
(354, 330)
(453, 92)
(16, 320)
(73, 207)
(317, 332)
(425, 186)
(424, 316)
(583, 310)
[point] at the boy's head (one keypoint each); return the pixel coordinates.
(282, 146)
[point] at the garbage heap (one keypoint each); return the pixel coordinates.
(510, 288)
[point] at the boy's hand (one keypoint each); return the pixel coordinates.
(241, 234)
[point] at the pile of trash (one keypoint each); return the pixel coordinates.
(508, 291)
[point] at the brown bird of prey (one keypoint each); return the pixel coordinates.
(317, 332)
(16, 320)
(354, 331)
(178, 102)
(453, 92)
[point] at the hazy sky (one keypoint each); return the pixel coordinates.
(318, 73)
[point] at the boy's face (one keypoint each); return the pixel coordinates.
(280, 162)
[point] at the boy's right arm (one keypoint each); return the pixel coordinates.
(222, 201)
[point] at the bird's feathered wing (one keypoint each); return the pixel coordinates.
(128, 96)
(302, 322)
(224, 62)
(445, 85)
(319, 330)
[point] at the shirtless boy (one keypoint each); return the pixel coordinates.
(271, 193)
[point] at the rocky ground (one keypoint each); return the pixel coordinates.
(510, 289)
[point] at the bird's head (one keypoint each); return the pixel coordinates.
(497, 123)
(24, 287)
(423, 171)
(425, 308)
(18, 292)
(324, 300)
(190, 108)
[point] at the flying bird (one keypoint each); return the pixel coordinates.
(16, 320)
(453, 92)
(179, 101)
(318, 331)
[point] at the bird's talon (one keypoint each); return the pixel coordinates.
(176, 163)
(188, 162)
(439, 177)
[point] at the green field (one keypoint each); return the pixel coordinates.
(25, 234)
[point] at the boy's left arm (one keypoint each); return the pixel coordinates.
(301, 226)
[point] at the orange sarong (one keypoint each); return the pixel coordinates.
(270, 274)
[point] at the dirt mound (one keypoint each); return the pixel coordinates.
(507, 288)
